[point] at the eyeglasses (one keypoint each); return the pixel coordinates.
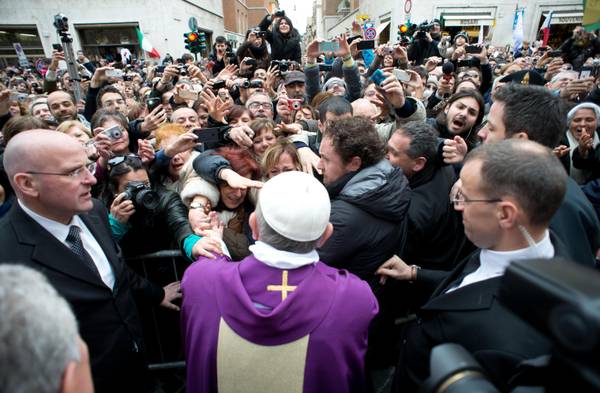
(78, 173)
(470, 75)
(264, 105)
(116, 161)
(460, 199)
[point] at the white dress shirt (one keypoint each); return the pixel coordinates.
(61, 231)
(494, 263)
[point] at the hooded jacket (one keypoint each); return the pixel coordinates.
(369, 215)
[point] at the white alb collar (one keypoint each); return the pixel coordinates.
(273, 257)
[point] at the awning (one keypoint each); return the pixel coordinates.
(565, 17)
(381, 27)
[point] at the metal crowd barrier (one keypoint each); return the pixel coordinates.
(162, 333)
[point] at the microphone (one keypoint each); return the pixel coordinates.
(448, 70)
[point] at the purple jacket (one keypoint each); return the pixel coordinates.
(240, 336)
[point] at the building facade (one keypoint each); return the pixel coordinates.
(103, 28)
(241, 15)
(495, 16)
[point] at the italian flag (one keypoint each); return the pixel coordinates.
(545, 29)
(146, 45)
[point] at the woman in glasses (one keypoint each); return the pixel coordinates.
(145, 218)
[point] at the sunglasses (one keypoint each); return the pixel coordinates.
(118, 160)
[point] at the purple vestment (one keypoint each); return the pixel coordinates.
(328, 312)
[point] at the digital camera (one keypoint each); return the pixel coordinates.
(282, 65)
(294, 104)
(113, 133)
(141, 195)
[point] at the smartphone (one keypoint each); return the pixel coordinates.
(329, 46)
(113, 132)
(401, 75)
(160, 69)
(114, 73)
(57, 47)
(208, 135)
(378, 77)
(555, 53)
(364, 45)
(586, 72)
(218, 84)
(251, 62)
(153, 103)
(325, 67)
(188, 95)
(473, 49)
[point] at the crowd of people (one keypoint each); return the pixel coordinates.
(342, 211)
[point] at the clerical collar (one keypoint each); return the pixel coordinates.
(279, 259)
(494, 263)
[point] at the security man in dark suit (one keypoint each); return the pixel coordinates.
(57, 228)
(505, 217)
(515, 113)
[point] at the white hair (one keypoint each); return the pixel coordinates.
(38, 333)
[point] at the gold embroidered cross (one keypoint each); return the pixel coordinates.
(284, 287)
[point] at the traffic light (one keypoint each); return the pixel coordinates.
(202, 41)
(406, 30)
(192, 42)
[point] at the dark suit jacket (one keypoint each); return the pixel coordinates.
(472, 317)
(108, 320)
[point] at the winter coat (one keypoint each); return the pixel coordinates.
(369, 215)
(282, 47)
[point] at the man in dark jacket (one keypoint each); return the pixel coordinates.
(217, 57)
(422, 47)
(57, 228)
(369, 199)
(436, 238)
(581, 46)
(369, 203)
(506, 218)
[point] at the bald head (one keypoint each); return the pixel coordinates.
(364, 108)
(31, 150)
(48, 172)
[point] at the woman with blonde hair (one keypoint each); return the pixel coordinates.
(76, 129)
(278, 158)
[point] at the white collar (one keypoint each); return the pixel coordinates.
(58, 229)
(279, 259)
(494, 263)
(498, 261)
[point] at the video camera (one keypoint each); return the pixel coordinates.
(560, 299)
(61, 23)
(423, 29)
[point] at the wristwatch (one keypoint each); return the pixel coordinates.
(196, 205)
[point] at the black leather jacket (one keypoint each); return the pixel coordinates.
(164, 228)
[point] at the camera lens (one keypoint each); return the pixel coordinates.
(147, 198)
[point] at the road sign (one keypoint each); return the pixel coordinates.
(193, 24)
(370, 33)
(23, 62)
